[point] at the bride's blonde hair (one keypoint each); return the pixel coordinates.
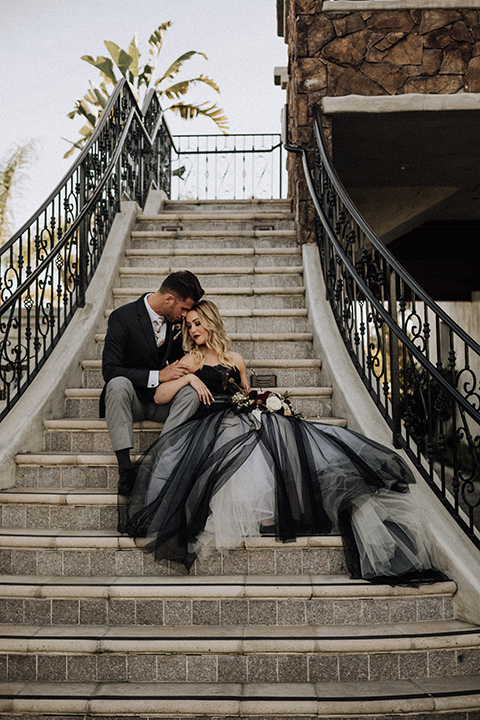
(217, 339)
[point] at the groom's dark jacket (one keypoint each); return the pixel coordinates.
(130, 349)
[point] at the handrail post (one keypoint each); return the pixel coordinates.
(82, 241)
(394, 363)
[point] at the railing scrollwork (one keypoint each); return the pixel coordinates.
(419, 366)
(45, 268)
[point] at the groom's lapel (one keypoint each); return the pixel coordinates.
(146, 327)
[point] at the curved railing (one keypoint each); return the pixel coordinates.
(420, 367)
(47, 265)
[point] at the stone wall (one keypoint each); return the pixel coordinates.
(371, 52)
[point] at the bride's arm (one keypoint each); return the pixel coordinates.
(242, 368)
(166, 391)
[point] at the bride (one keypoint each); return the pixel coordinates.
(246, 464)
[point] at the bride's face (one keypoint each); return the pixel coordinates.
(197, 332)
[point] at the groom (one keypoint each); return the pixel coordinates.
(143, 346)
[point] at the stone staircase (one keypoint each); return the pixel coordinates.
(91, 627)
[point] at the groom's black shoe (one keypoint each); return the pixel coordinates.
(126, 481)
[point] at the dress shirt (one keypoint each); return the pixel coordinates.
(153, 375)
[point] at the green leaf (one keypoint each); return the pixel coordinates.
(177, 64)
(188, 112)
(103, 64)
(134, 53)
(156, 38)
(182, 88)
(122, 59)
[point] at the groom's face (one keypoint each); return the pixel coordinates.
(176, 308)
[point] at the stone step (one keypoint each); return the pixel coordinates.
(286, 320)
(228, 298)
(445, 698)
(181, 239)
(91, 436)
(448, 699)
(218, 222)
(257, 204)
(310, 401)
(218, 600)
(284, 276)
(67, 552)
(177, 259)
(290, 373)
(259, 346)
(280, 654)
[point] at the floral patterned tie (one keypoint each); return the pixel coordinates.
(157, 326)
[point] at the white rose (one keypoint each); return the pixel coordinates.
(274, 404)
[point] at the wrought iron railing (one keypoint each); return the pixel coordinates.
(420, 367)
(47, 265)
(211, 167)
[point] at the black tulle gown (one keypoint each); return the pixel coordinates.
(214, 479)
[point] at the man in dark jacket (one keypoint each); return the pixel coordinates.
(143, 347)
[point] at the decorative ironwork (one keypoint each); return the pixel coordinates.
(46, 266)
(210, 167)
(419, 366)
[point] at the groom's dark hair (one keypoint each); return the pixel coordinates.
(184, 285)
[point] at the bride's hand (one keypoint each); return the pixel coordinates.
(204, 393)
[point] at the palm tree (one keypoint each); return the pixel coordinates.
(141, 79)
(12, 172)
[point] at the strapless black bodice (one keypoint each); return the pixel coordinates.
(218, 379)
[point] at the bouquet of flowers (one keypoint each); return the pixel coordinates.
(258, 401)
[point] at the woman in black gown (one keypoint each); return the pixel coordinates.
(229, 473)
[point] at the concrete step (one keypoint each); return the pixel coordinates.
(286, 320)
(244, 600)
(228, 298)
(248, 205)
(211, 221)
(68, 552)
(445, 698)
(290, 373)
(259, 346)
(91, 436)
(182, 239)
(310, 401)
(177, 259)
(244, 276)
(279, 654)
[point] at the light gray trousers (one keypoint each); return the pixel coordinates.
(123, 408)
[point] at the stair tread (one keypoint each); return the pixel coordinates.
(98, 424)
(192, 216)
(268, 363)
(281, 290)
(319, 699)
(220, 270)
(214, 587)
(389, 637)
(188, 234)
(299, 391)
(253, 252)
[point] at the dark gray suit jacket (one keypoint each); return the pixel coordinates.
(130, 349)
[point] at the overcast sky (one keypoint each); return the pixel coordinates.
(42, 41)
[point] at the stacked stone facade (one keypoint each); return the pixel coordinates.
(371, 52)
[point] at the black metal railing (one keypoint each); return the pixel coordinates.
(420, 367)
(47, 265)
(236, 167)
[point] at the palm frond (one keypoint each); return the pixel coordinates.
(188, 112)
(177, 64)
(105, 66)
(121, 59)
(181, 88)
(12, 173)
(156, 39)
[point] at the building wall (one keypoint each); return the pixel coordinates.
(369, 52)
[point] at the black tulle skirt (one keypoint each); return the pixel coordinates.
(212, 481)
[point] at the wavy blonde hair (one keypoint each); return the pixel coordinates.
(217, 339)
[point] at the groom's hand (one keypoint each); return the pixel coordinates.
(172, 372)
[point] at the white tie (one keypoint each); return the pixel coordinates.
(157, 326)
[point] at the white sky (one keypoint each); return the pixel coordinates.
(42, 75)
